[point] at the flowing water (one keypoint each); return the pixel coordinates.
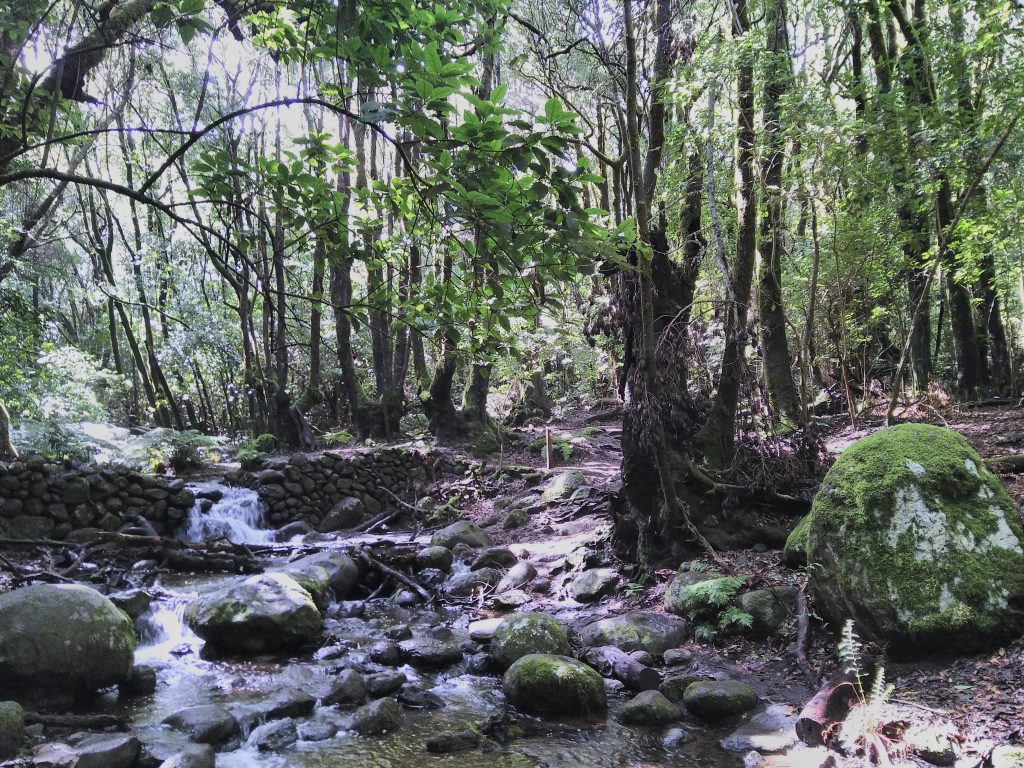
(186, 677)
(237, 515)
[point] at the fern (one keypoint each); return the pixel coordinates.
(733, 616)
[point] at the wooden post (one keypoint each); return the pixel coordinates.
(548, 450)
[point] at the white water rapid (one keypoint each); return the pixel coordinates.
(237, 515)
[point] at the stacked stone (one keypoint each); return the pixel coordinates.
(43, 499)
(306, 486)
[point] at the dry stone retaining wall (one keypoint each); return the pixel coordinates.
(45, 499)
(306, 486)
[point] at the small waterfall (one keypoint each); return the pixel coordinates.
(237, 516)
(163, 632)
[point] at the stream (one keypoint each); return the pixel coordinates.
(187, 676)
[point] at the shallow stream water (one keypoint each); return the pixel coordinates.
(186, 678)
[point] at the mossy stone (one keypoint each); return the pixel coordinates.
(918, 543)
(545, 684)
(563, 485)
(713, 699)
(649, 708)
(525, 633)
(642, 631)
(12, 728)
(688, 593)
(460, 532)
(794, 553)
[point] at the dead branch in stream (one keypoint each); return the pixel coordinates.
(372, 562)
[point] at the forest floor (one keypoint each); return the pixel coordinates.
(982, 695)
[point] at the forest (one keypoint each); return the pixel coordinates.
(660, 350)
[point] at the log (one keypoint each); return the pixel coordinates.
(611, 662)
(87, 722)
(828, 707)
(1012, 464)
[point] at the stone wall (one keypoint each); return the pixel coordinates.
(43, 499)
(306, 486)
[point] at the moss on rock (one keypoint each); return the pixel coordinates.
(918, 543)
(525, 633)
(545, 684)
(794, 553)
(12, 728)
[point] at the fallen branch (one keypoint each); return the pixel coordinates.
(828, 707)
(87, 722)
(398, 576)
(612, 662)
(1011, 464)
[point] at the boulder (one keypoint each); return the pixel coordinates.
(381, 716)
(460, 532)
(205, 724)
(347, 688)
(673, 687)
(267, 612)
(274, 736)
(141, 681)
(447, 742)
(194, 756)
(62, 639)
(517, 576)
(89, 750)
(463, 584)
(346, 514)
(528, 633)
(384, 683)
(649, 708)
(594, 584)
(693, 593)
(482, 630)
(429, 652)
(643, 631)
(12, 728)
(545, 684)
(918, 543)
(134, 602)
(713, 699)
(769, 608)
(770, 731)
(494, 557)
(794, 553)
(342, 571)
(563, 485)
(436, 557)
(311, 577)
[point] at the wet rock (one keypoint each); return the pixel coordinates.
(288, 532)
(494, 557)
(141, 681)
(464, 584)
(384, 683)
(89, 750)
(325, 725)
(381, 716)
(460, 532)
(674, 686)
(643, 657)
(528, 633)
(593, 585)
(429, 653)
(12, 728)
(386, 654)
(342, 571)
(344, 515)
(414, 698)
(649, 708)
(676, 738)
(545, 684)
(517, 576)
(63, 639)
(273, 737)
(677, 657)
(205, 724)
(644, 631)
(541, 585)
(452, 741)
(563, 485)
(713, 699)
(435, 557)
(767, 732)
(266, 612)
(286, 704)
(398, 632)
(347, 688)
(508, 601)
(769, 608)
(482, 631)
(195, 756)
(134, 602)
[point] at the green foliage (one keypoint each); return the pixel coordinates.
(179, 451)
(338, 438)
(713, 598)
(257, 447)
(861, 730)
(561, 444)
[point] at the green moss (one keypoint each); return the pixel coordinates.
(545, 684)
(522, 634)
(12, 728)
(924, 530)
(794, 553)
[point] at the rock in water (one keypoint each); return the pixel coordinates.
(197, 756)
(644, 631)
(649, 708)
(920, 544)
(719, 698)
(460, 532)
(267, 612)
(593, 585)
(381, 716)
(62, 639)
(525, 633)
(544, 684)
(205, 724)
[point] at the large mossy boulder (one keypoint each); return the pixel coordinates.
(62, 639)
(263, 613)
(918, 543)
(525, 633)
(545, 684)
(461, 532)
(794, 553)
